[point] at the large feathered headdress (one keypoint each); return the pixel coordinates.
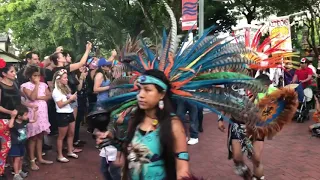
(202, 65)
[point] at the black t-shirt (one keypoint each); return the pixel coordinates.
(19, 132)
(72, 80)
(10, 98)
(48, 74)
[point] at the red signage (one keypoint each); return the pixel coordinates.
(189, 14)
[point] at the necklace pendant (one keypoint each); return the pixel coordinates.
(155, 122)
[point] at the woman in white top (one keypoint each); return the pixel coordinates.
(66, 123)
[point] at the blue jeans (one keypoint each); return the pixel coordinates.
(182, 108)
(200, 116)
(110, 171)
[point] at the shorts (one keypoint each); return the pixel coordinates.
(74, 104)
(17, 150)
(64, 119)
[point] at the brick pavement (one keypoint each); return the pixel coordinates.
(292, 155)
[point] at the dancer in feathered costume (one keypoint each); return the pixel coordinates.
(245, 139)
(155, 146)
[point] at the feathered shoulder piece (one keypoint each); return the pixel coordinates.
(265, 53)
(196, 70)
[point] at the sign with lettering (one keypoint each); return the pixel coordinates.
(280, 30)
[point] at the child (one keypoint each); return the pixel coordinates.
(111, 159)
(18, 130)
(37, 94)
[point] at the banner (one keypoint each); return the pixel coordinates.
(189, 14)
(280, 29)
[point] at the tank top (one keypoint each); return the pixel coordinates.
(155, 169)
(105, 94)
(10, 98)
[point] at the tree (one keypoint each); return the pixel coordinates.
(44, 24)
(251, 9)
(216, 13)
(312, 18)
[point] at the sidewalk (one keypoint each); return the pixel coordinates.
(292, 155)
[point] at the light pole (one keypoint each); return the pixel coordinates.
(201, 15)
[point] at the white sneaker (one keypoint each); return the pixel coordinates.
(17, 177)
(193, 141)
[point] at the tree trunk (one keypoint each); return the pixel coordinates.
(250, 17)
(312, 33)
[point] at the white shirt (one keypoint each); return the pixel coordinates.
(58, 96)
(109, 152)
(314, 70)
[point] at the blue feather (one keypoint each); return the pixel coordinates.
(209, 83)
(118, 99)
(185, 40)
(164, 38)
(147, 50)
(204, 106)
(123, 86)
(179, 61)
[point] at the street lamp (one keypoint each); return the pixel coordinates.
(201, 15)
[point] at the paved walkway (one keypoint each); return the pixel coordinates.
(292, 155)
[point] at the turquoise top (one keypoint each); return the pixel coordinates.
(153, 170)
(105, 94)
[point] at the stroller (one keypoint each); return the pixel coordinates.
(305, 97)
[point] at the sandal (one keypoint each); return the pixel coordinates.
(34, 168)
(76, 150)
(46, 162)
(62, 160)
(73, 155)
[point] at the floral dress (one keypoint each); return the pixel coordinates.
(42, 124)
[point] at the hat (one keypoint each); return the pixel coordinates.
(304, 60)
(104, 62)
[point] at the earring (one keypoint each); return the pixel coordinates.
(161, 104)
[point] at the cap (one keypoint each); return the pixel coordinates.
(304, 60)
(104, 62)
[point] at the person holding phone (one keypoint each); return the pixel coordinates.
(66, 122)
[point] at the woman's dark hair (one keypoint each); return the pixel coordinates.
(65, 53)
(104, 73)
(29, 70)
(264, 79)
(166, 136)
(5, 69)
(54, 58)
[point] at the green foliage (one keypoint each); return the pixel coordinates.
(43, 25)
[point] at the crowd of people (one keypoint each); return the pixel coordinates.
(49, 97)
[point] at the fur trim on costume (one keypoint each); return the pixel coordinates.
(271, 110)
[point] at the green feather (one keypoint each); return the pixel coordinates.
(221, 75)
(122, 107)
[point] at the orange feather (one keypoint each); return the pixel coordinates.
(181, 93)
